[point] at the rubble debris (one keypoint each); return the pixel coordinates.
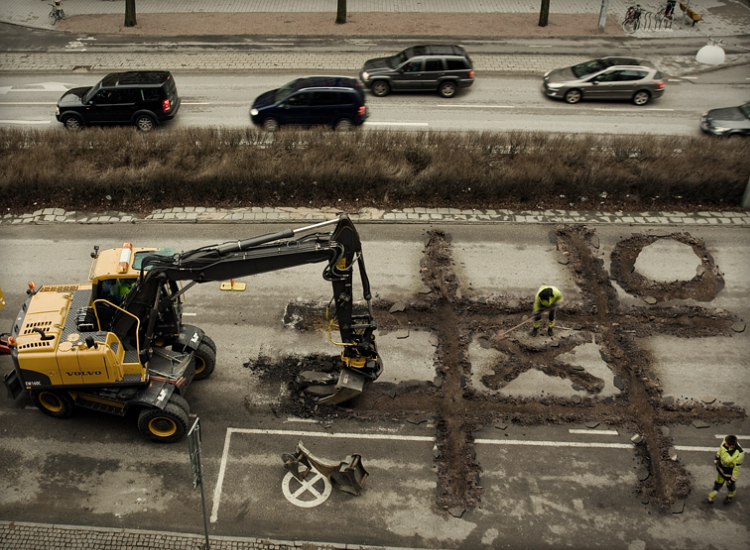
(456, 511)
(397, 307)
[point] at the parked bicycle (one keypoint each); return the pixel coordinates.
(632, 19)
(57, 13)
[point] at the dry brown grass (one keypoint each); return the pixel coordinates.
(121, 169)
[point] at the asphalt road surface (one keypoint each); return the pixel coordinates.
(493, 103)
(544, 484)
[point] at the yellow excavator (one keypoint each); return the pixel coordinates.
(119, 341)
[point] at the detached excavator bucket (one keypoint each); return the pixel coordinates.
(349, 385)
(348, 476)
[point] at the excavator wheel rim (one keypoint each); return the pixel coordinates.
(50, 401)
(200, 364)
(155, 423)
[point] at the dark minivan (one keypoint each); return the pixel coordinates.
(143, 98)
(336, 101)
(443, 68)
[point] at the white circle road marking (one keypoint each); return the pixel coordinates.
(307, 485)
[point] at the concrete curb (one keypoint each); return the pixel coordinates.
(206, 215)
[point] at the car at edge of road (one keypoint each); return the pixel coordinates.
(442, 68)
(727, 121)
(336, 101)
(612, 77)
(142, 98)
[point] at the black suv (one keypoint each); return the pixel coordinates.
(336, 101)
(143, 98)
(440, 67)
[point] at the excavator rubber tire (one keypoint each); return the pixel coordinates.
(205, 361)
(163, 426)
(56, 404)
(180, 402)
(210, 343)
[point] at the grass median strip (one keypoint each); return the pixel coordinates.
(122, 169)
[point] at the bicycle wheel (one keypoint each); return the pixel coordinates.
(628, 26)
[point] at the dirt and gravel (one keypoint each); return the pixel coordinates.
(460, 409)
(485, 25)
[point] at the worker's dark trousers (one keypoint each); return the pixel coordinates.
(538, 319)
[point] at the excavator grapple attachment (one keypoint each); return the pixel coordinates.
(348, 476)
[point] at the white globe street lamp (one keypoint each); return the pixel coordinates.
(710, 54)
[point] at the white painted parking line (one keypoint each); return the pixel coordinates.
(689, 448)
(5, 103)
(480, 106)
(397, 124)
(533, 443)
(305, 420)
(195, 103)
(190, 314)
(594, 432)
(632, 110)
(25, 121)
(341, 435)
(721, 436)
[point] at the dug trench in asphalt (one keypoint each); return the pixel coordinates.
(95, 469)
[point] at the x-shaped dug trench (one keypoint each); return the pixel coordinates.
(458, 320)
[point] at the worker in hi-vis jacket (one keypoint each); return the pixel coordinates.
(728, 463)
(547, 299)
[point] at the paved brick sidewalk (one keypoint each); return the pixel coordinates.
(42, 536)
(720, 17)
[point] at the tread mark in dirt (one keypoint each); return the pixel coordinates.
(461, 410)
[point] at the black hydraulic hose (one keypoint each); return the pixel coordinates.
(239, 246)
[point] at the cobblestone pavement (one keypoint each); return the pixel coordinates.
(42, 536)
(199, 214)
(674, 66)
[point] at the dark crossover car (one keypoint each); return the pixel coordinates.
(628, 78)
(143, 98)
(729, 121)
(420, 68)
(337, 101)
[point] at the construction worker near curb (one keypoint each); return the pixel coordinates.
(547, 299)
(728, 463)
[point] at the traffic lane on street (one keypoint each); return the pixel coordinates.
(225, 99)
(228, 405)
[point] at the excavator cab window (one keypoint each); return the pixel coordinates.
(115, 290)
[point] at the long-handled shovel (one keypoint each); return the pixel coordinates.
(501, 335)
